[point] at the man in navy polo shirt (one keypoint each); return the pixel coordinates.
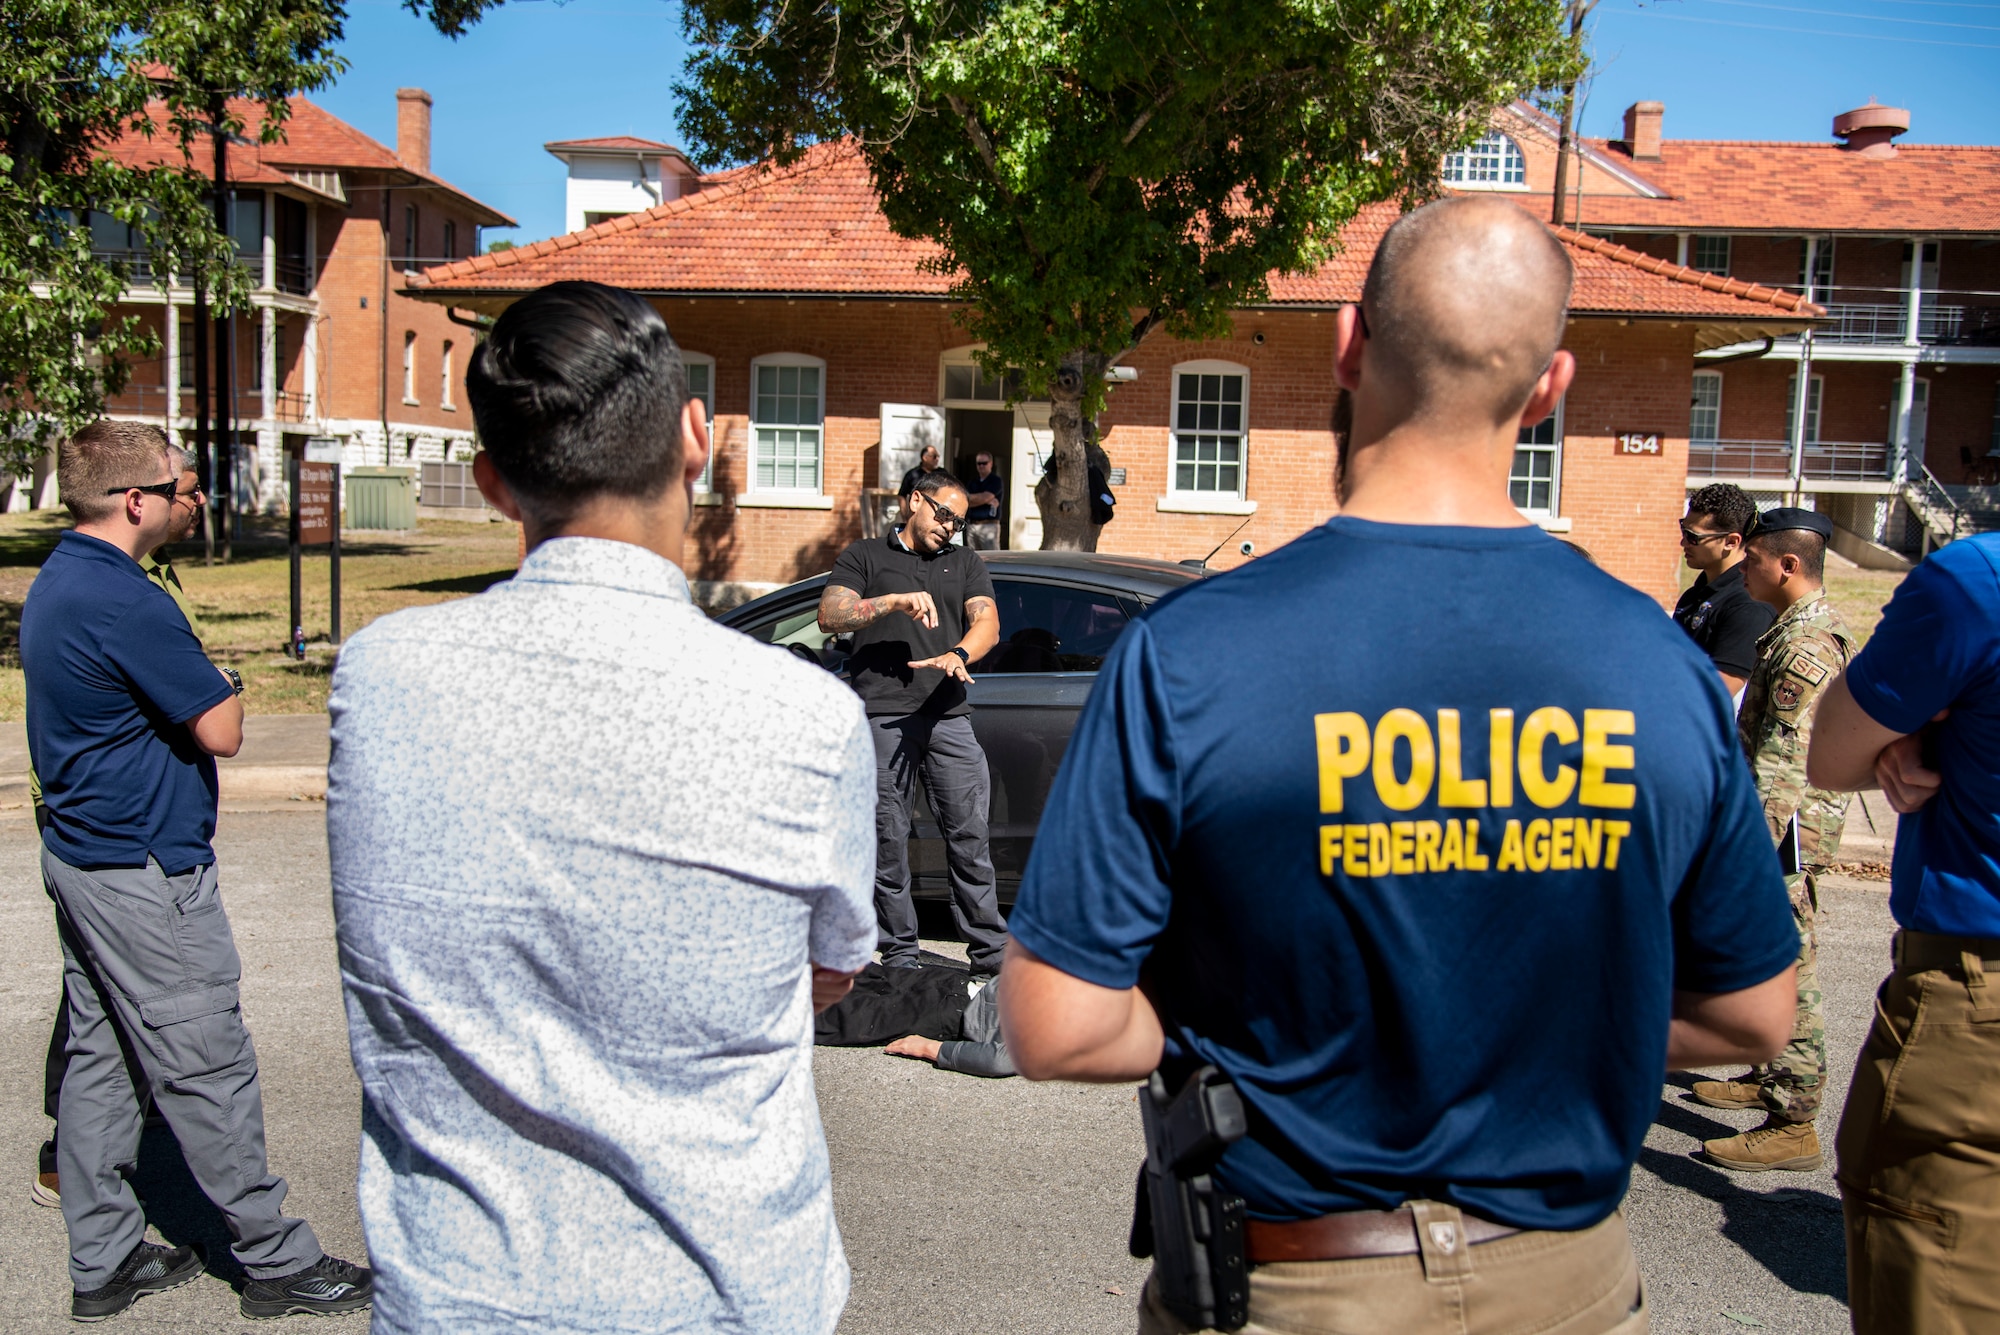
(1917, 714)
(1449, 886)
(125, 718)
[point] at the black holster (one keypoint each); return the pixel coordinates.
(1191, 1228)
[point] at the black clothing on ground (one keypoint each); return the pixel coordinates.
(1724, 620)
(931, 1000)
(992, 482)
(910, 481)
(879, 668)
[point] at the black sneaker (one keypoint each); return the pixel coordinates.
(149, 1269)
(325, 1288)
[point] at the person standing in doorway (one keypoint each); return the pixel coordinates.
(125, 718)
(1717, 612)
(1784, 568)
(927, 462)
(921, 611)
(988, 492)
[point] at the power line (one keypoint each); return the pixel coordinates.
(1821, 32)
(1866, 18)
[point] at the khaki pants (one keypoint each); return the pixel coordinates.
(1583, 1283)
(1919, 1146)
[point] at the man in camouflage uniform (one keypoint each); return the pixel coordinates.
(1797, 658)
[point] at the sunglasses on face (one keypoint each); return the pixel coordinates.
(944, 516)
(167, 490)
(1693, 538)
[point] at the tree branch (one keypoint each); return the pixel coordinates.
(992, 161)
(1138, 127)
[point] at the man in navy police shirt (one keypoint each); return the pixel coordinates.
(125, 718)
(1442, 881)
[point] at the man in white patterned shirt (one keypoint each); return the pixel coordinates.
(596, 861)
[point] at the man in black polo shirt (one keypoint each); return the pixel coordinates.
(1716, 611)
(921, 611)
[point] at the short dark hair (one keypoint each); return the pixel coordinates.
(935, 481)
(1809, 547)
(1727, 504)
(578, 392)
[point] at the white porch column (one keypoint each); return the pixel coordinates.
(1914, 298)
(309, 368)
(1681, 249)
(1801, 401)
(1812, 266)
(1899, 428)
(270, 255)
(173, 369)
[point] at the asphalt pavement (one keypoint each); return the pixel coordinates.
(966, 1205)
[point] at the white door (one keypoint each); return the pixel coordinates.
(906, 429)
(1032, 444)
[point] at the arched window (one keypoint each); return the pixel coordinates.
(1494, 163)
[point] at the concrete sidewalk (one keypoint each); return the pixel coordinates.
(282, 763)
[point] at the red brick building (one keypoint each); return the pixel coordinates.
(1899, 243)
(331, 225)
(825, 352)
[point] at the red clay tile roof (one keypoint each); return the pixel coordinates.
(814, 228)
(314, 139)
(1926, 189)
(616, 142)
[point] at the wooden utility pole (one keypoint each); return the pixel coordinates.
(1566, 141)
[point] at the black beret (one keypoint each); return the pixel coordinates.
(1787, 517)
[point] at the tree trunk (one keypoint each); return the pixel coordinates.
(1065, 502)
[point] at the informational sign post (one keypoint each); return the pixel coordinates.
(314, 478)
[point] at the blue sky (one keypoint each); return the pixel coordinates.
(1727, 69)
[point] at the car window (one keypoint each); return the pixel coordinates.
(1053, 627)
(796, 624)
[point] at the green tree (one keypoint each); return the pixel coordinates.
(74, 75)
(1094, 171)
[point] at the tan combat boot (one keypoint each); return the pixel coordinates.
(1727, 1093)
(1792, 1147)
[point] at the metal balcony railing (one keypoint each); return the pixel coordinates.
(1885, 322)
(146, 400)
(1825, 460)
(291, 406)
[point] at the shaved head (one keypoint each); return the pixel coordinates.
(1464, 308)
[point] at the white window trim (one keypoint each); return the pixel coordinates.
(963, 356)
(1716, 376)
(410, 368)
(1177, 501)
(1513, 187)
(704, 485)
(1549, 517)
(791, 498)
(446, 357)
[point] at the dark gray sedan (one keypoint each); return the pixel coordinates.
(1060, 613)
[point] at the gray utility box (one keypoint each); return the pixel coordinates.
(382, 498)
(449, 486)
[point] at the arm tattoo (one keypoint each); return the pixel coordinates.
(842, 609)
(976, 608)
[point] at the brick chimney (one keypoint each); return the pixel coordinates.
(1642, 129)
(1871, 130)
(413, 129)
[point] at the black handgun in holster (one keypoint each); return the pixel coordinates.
(1191, 1228)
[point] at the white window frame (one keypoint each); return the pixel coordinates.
(1728, 252)
(410, 368)
(445, 400)
(1546, 516)
(786, 497)
(1196, 501)
(1815, 399)
(705, 485)
(1510, 174)
(1700, 378)
(963, 357)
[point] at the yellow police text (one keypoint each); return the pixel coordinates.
(1410, 762)
(1416, 847)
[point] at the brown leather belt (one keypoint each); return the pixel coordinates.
(1351, 1235)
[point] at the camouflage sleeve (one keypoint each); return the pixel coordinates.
(1804, 668)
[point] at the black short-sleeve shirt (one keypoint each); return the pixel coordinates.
(1725, 620)
(879, 668)
(910, 480)
(992, 482)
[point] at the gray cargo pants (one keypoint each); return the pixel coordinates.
(948, 756)
(150, 970)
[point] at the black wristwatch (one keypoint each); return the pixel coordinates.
(235, 679)
(963, 656)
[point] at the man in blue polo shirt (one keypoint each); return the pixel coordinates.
(125, 718)
(1917, 714)
(1449, 886)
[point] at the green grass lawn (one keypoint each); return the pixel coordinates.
(244, 604)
